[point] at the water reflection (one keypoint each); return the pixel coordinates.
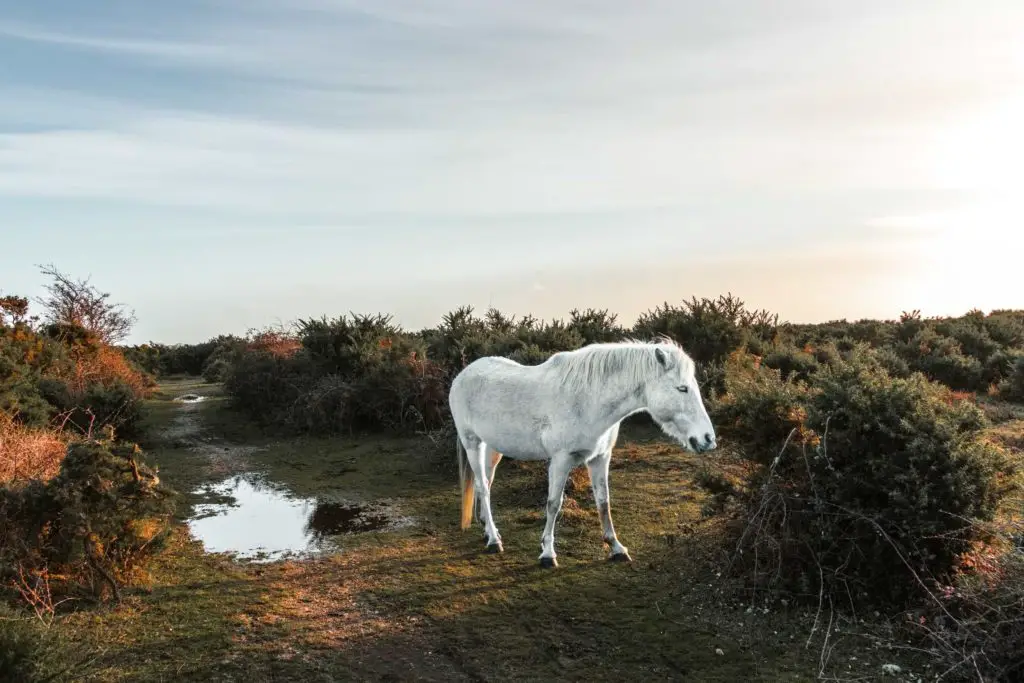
(261, 522)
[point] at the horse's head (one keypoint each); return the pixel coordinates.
(674, 400)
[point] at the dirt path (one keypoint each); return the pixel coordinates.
(186, 431)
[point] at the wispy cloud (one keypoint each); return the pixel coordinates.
(171, 50)
(322, 110)
(527, 134)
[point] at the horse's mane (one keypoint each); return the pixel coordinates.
(631, 361)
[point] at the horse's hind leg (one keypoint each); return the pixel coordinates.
(598, 467)
(492, 465)
(482, 472)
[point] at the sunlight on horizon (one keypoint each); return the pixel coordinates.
(964, 258)
(980, 153)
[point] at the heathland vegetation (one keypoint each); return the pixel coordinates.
(865, 467)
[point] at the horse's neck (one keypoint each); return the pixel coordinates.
(613, 401)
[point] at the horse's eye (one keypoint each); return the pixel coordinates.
(683, 389)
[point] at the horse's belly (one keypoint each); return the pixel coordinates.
(516, 446)
(522, 454)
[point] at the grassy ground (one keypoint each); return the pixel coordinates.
(424, 603)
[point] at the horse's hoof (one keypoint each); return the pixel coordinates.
(620, 557)
(548, 563)
(495, 548)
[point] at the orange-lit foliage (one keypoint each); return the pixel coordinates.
(278, 344)
(105, 365)
(982, 562)
(27, 453)
(960, 396)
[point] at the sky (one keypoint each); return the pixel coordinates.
(221, 165)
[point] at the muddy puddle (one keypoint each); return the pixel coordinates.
(262, 522)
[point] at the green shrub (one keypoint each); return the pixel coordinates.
(1012, 387)
(974, 628)
(894, 364)
(359, 373)
(1006, 328)
(266, 386)
(595, 326)
(999, 365)
(973, 338)
(26, 357)
(882, 476)
(163, 360)
(940, 358)
(792, 363)
(20, 396)
(113, 405)
(710, 330)
(216, 366)
(760, 412)
(145, 357)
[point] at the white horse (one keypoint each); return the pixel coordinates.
(567, 410)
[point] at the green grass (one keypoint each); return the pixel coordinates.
(425, 603)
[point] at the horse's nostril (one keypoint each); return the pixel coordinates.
(693, 442)
(707, 438)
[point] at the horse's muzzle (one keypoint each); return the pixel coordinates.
(702, 446)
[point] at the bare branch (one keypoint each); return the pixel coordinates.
(79, 303)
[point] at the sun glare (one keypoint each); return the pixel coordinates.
(967, 258)
(984, 151)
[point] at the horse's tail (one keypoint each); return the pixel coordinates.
(465, 483)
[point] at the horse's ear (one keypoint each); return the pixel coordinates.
(662, 358)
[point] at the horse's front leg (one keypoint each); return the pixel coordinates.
(598, 467)
(558, 472)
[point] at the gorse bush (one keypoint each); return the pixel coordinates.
(710, 329)
(166, 360)
(102, 516)
(75, 512)
(760, 412)
(984, 640)
(339, 375)
(792, 363)
(1012, 386)
(864, 478)
(941, 358)
(28, 453)
(60, 374)
(365, 372)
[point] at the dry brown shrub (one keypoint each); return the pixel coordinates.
(276, 343)
(27, 454)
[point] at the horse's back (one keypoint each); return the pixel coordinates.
(495, 381)
(504, 403)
